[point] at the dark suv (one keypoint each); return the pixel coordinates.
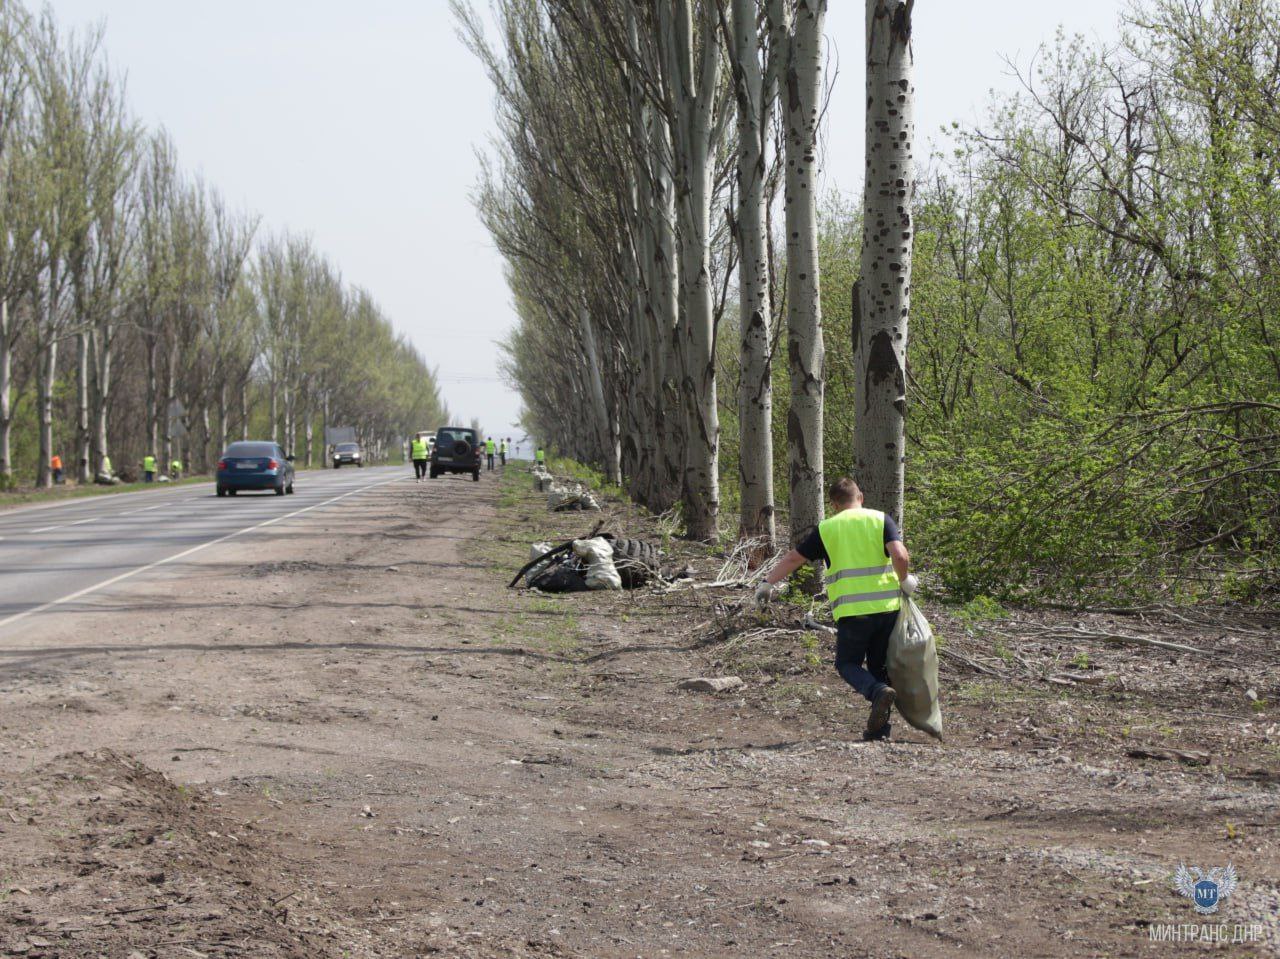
(457, 450)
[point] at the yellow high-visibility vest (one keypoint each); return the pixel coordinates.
(860, 578)
(419, 450)
(148, 464)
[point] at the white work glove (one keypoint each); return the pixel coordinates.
(909, 584)
(765, 593)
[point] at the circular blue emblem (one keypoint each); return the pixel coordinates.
(1206, 894)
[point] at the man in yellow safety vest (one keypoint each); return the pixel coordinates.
(867, 573)
(490, 449)
(540, 456)
(418, 453)
(148, 468)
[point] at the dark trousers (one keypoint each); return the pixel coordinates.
(865, 640)
(490, 461)
(419, 469)
(503, 457)
(148, 477)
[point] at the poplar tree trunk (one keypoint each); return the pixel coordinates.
(153, 397)
(603, 426)
(755, 385)
(82, 407)
(324, 429)
(244, 409)
(275, 414)
(46, 372)
(102, 390)
(883, 297)
(206, 436)
(694, 77)
(6, 409)
(222, 416)
(170, 396)
(805, 351)
(666, 313)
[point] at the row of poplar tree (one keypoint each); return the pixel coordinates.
(140, 314)
(1093, 377)
(644, 144)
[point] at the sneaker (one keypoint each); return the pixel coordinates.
(881, 705)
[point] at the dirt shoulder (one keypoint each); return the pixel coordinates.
(349, 739)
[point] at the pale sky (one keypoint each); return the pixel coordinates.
(357, 123)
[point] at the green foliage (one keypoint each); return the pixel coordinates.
(981, 609)
(1094, 397)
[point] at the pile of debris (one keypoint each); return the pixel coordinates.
(575, 496)
(563, 497)
(598, 561)
(542, 479)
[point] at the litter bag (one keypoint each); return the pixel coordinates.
(598, 555)
(913, 670)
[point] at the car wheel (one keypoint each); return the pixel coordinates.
(337, 466)
(289, 489)
(231, 492)
(476, 476)
(279, 490)
(222, 491)
(435, 474)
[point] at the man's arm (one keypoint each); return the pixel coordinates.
(786, 566)
(900, 557)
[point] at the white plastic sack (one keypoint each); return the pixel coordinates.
(913, 670)
(557, 496)
(598, 555)
(536, 551)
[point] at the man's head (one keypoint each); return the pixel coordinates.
(845, 494)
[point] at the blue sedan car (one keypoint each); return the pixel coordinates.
(250, 465)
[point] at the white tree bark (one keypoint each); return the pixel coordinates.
(82, 407)
(665, 294)
(755, 385)
(883, 299)
(692, 75)
(47, 372)
(102, 390)
(603, 426)
(6, 409)
(153, 394)
(222, 416)
(801, 92)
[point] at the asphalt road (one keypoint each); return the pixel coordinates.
(51, 556)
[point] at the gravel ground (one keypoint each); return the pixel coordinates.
(349, 739)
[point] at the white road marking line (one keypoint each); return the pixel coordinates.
(187, 552)
(50, 529)
(99, 498)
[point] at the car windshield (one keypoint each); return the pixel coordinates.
(347, 447)
(251, 449)
(452, 436)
